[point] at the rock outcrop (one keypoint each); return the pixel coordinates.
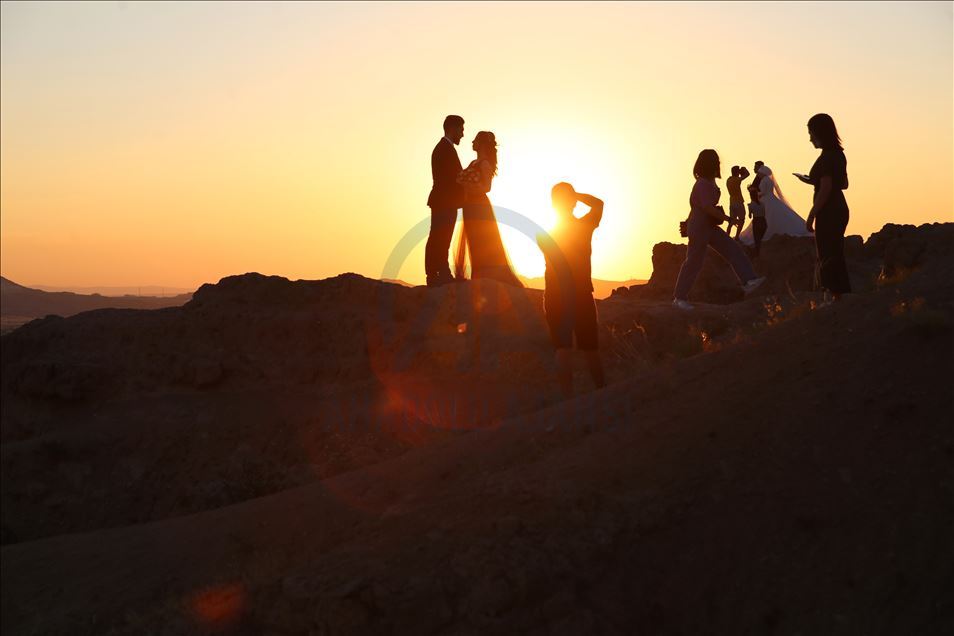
(789, 263)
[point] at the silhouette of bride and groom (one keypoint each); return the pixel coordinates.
(479, 245)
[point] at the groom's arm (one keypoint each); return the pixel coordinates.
(596, 206)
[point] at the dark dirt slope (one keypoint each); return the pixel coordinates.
(260, 384)
(799, 482)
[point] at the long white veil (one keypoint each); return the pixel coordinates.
(767, 173)
(780, 216)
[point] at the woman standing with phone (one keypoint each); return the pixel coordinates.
(828, 218)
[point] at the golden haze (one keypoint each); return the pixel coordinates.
(158, 144)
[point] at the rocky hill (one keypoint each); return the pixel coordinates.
(352, 456)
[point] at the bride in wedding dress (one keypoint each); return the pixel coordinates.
(479, 240)
(779, 215)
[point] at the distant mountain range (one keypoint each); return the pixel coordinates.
(19, 304)
(135, 290)
(601, 288)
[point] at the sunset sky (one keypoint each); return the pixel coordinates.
(177, 143)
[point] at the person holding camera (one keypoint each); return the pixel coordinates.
(757, 210)
(736, 202)
(568, 299)
(704, 231)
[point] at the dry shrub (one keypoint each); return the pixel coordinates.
(894, 277)
(727, 340)
(774, 311)
(694, 342)
(628, 344)
(779, 310)
(905, 306)
(920, 320)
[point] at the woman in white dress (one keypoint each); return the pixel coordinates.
(779, 215)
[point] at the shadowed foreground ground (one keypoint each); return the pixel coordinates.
(798, 479)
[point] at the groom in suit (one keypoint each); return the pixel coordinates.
(447, 196)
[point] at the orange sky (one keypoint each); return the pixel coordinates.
(173, 144)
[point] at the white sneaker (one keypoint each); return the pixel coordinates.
(681, 304)
(752, 285)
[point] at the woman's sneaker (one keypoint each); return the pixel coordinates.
(681, 304)
(752, 285)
